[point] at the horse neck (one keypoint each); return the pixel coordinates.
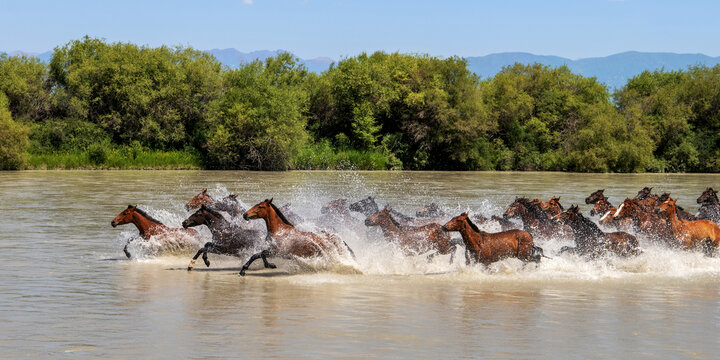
(145, 225)
(388, 226)
(589, 226)
(274, 223)
(675, 222)
(471, 236)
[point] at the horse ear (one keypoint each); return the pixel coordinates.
(270, 201)
(130, 207)
(204, 190)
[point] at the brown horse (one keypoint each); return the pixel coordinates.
(594, 197)
(591, 241)
(228, 204)
(287, 241)
(487, 248)
(147, 225)
(535, 221)
(691, 234)
(644, 222)
(413, 240)
(552, 206)
(430, 211)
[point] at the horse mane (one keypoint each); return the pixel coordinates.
(394, 221)
(280, 214)
(214, 213)
(534, 210)
(147, 216)
(472, 225)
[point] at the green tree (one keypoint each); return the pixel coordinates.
(13, 138)
(24, 81)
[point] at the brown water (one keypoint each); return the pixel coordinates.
(67, 290)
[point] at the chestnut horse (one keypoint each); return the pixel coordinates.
(594, 197)
(287, 241)
(147, 225)
(591, 241)
(227, 237)
(552, 207)
(691, 234)
(368, 206)
(709, 206)
(228, 204)
(487, 248)
(413, 240)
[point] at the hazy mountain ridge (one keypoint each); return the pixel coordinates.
(613, 70)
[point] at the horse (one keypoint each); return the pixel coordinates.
(228, 204)
(691, 234)
(681, 213)
(646, 199)
(415, 240)
(552, 206)
(368, 206)
(643, 222)
(486, 248)
(594, 197)
(535, 221)
(430, 211)
(148, 226)
(227, 237)
(709, 206)
(335, 214)
(288, 241)
(505, 224)
(590, 240)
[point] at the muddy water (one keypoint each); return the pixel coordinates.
(67, 290)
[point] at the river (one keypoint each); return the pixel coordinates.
(68, 291)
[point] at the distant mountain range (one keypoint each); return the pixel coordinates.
(613, 70)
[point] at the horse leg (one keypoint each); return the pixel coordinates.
(203, 250)
(568, 249)
(125, 250)
(452, 253)
(708, 248)
(352, 253)
(263, 254)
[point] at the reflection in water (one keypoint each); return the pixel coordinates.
(67, 290)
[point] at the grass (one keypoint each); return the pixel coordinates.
(322, 156)
(117, 158)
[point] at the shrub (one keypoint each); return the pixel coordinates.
(13, 139)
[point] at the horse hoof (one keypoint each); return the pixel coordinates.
(207, 263)
(242, 273)
(190, 268)
(127, 253)
(271, 266)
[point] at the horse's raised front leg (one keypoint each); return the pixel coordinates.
(125, 250)
(263, 254)
(202, 251)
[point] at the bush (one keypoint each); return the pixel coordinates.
(97, 153)
(13, 139)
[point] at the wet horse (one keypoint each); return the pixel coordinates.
(147, 225)
(535, 221)
(227, 237)
(644, 222)
(709, 206)
(594, 197)
(691, 234)
(368, 206)
(591, 241)
(430, 211)
(415, 240)
(486, 248)
(552, 207)
(228, 204)
(286, 240)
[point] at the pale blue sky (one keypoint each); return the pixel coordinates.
(336, 28)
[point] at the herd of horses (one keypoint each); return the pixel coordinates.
(655, 217)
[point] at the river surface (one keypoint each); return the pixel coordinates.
(68, 291)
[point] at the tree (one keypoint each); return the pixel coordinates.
(13, 138)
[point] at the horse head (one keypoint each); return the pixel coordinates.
(198, 200)
(594, 197)
(667, 207)
(553, 205)
(516, 209)
(568, 216)
(458, 223)
(366, 206)
(125, 217)
(201, 217)
(261, 210)
(709, 196)
(644, 193)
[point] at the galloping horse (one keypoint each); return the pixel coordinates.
(644, 222)
(691, 234)
(487, 248)
(287, 240)
(430, 211)
(552, 206)
(147, 225)
(416, 240)
(646, 199)
(228, 204)
(594, 197)
(535, 221)
(709, 206)
(368, 206)
(228, 237)
(591, 241)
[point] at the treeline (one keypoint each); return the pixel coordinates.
(119, 105)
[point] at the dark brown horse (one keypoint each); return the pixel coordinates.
(535, 221)
(591, 241)
(228, 237)
(413, 240)
(709, 206)
(486, 248)
(594, 197)
(287, 241)
(368, 206)
(148, 226)
(691, 234)
(228, 204)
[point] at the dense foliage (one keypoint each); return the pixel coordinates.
(100, 104)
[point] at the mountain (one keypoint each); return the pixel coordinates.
(613, 70)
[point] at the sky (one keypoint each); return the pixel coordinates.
(341, 28)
